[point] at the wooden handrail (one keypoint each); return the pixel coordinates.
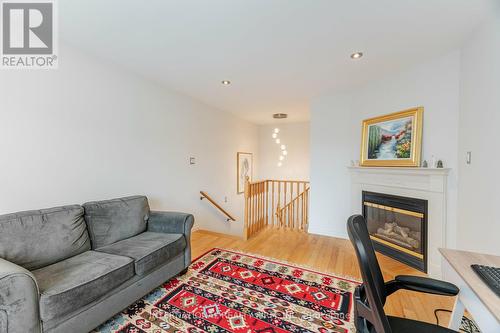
(286, 181)
(297, 198)
(204, 195)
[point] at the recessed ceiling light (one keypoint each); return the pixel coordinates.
(357, 55)
(226, 82)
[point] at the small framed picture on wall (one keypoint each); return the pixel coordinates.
(244, 169)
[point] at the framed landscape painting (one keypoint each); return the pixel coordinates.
(244, 170)
(393, 140)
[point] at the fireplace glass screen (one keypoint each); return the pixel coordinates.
(397, 227)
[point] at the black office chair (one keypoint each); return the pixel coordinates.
(369, 298)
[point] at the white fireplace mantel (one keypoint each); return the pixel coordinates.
(423, 183)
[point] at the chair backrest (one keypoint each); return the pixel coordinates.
(371, 296)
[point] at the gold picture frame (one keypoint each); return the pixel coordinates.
(244, 169)
(393, 140)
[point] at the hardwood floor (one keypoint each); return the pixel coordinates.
(329, 255)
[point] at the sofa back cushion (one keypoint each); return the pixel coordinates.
(37, 238)
(110, 221)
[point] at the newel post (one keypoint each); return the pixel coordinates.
(247, 208)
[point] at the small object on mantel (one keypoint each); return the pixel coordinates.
(439, 164)
(425, 164)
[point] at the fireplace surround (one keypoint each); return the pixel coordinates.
(397, 227)
(423, 183)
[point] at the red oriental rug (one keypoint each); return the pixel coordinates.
(226, 291)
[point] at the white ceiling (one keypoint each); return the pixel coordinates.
(278, 54)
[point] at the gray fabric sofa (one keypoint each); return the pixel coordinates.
(68, 269)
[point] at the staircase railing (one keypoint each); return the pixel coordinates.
(204, 195)
(294, 214)
(276, 203)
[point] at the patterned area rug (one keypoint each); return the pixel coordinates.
(226, 291)
(468, 326)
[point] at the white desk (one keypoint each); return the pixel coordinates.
(475, 296)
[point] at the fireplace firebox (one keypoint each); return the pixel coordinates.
(398, 227)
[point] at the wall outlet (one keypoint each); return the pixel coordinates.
(468, 158)
(225, 199)
(192, 160)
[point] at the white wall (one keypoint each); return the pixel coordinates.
(336, 135)
(479, 182)
(296, 164)
(331, 146)
(91, 131)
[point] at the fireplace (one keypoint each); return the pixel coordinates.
(398, 227)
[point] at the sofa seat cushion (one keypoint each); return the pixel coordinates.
(74, 282)
(149, 249)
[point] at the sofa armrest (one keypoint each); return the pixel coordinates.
(173, 223)
(170, 222)
(19, 299)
